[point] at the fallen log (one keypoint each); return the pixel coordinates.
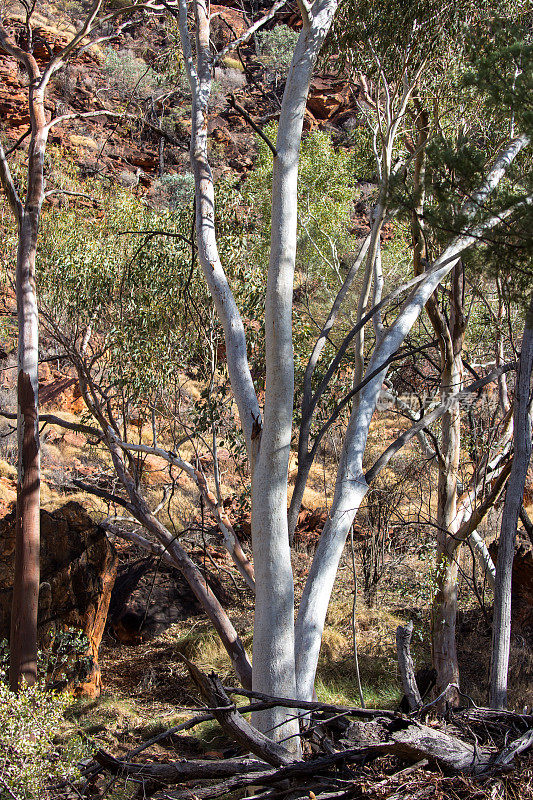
(240, 772)
(181, 771)
(395, 734)
(232, 723)
(416, 741)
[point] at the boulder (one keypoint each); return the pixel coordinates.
(149, 596)
(78, 570)
(522, 585)
(329, 96)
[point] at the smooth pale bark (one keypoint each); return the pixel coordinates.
(351, 485)
(304, 456)
(23, 638)
(481, 552)
(273, 651)
(501, 625)
(199, 75)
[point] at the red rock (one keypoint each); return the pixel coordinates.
(328, 96)
(222, 33)
(78, 569)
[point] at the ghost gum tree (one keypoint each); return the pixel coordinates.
(286, 652)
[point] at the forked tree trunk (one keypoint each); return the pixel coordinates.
(501, 625)
(273, 661)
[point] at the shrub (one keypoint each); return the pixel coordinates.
(276, 48)
(30, 757)
(130, 74)
(175, 190)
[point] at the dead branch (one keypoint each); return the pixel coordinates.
(405, 663)
(309, 705)
(232, 723)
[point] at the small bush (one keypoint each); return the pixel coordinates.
(33, 753)
(229, 79)
(174, 191)
(30, 759)
(130, 74)
(276, 48)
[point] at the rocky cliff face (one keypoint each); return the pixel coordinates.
(78, 569)
(522, 585)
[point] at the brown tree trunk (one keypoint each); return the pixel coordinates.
(450, 336)
(445, 604)
(23, 640)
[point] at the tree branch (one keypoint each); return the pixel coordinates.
(433, 415)
(249, 33)
(8, 185)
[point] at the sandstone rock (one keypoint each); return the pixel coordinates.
(78, 569)
(522, 585)
(327, 97)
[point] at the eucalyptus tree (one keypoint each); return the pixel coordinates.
(286, 651)
(285, 654)
(453, 134)
(27, 212)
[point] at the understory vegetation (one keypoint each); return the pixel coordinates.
(267, 318)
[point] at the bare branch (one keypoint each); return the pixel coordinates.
(8, 185)
(250, 32)
(51, 419)
(231, 540)
(57, 61)
(433, 415)
(242, 111)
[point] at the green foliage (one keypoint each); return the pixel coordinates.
(326, 188)
(276, 48)
(30, 757)
(409, 34)
(132, 289)
(176, 189)
(130, 74)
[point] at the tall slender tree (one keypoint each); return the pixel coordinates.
(23, 641)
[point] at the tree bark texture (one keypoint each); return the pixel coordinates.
(23, 639)
(501, 625)
(405, 664)
(273, 653)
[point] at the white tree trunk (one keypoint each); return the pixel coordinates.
(501, 625)
(273, 652)
(350, 485)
